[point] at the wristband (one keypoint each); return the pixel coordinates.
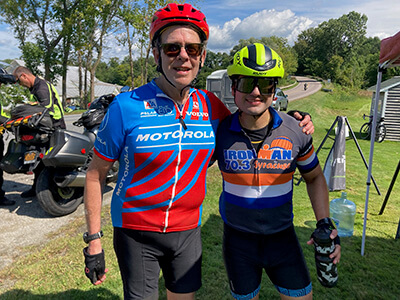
(87, 238)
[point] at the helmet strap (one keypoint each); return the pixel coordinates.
(160, 69)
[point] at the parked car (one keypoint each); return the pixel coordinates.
(280, 101)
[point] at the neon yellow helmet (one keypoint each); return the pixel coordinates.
(256, 60)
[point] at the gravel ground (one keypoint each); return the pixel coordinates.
(26, 223)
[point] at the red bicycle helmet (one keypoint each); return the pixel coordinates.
(173, 14)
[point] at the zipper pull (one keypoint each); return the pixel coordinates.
(182, 122)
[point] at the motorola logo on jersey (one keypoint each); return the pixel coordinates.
(175, 135)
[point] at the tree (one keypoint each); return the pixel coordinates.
(214, 61)
(97, 20)
(129, 15)
(337, 49)
(42, 21)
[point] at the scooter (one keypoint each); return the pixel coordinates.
(64, 154)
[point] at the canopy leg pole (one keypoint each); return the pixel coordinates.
(362, 155)
(322, 143)
(390, 188)
(371, 154)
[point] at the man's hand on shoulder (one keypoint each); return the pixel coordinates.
(305, 120)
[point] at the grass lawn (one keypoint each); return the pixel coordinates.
(55, 270)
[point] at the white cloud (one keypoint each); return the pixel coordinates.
(236, 19)
(263, 23)
(8, 44)
(383, 18)
(383, 15)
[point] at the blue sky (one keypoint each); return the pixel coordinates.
(231, 20)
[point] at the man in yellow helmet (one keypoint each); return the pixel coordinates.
(44, 94)
(258, 150)
(4, 78)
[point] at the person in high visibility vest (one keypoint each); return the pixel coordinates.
(4, 201)
(43, 93)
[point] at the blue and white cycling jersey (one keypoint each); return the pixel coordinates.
(163, 152)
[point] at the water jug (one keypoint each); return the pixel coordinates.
(343, 211)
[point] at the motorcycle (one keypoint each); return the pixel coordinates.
(63, 155)
(305, 86)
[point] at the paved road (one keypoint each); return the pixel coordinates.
(298, 92)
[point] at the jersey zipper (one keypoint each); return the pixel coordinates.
(255, 170)
(183, 125)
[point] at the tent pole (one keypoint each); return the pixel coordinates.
(320, 146)
(371, 154)
(390, 188)
(362, 155)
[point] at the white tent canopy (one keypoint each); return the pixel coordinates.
(389, 57)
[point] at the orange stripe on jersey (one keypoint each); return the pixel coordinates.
(307, 156)
(254, 180)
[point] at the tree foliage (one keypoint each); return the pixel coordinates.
(118, 72)
(339, 50)
(55, 33)
(44, 21)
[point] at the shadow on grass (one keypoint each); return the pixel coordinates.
(372, 276)
(98, 293)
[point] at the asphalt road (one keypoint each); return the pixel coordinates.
(298, 92)
(25, 223)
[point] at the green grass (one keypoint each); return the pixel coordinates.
(55, 270)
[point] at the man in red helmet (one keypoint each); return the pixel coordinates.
(163, 135)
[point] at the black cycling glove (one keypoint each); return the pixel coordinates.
(94, 265)
(302, 113)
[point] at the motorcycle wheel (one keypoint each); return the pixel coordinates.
(112, 174)
(55, 200)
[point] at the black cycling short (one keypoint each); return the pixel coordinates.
(141, 255)
(279, 254)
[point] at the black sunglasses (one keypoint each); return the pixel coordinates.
(173, 50)
(18, 78)
(247, 84)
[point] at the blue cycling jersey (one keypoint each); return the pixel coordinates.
(258, 186)
(163, 152)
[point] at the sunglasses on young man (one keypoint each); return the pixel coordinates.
(246, 85)
(173, 49)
